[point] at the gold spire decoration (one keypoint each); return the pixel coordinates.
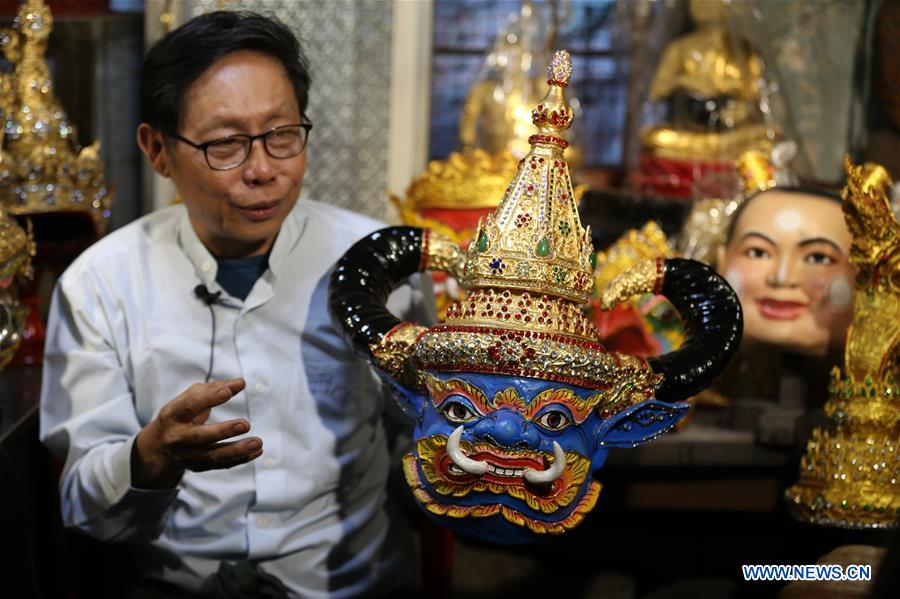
(42, 168)
(534, 241)
(848, 477)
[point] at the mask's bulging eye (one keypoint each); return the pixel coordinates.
(554, 420)
(458, 413)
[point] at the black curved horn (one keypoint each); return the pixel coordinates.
(713, 324)
(364, 278)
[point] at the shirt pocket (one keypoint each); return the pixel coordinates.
(348, 402)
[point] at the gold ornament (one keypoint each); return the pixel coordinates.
(42, 168)
(467, 180)
(848, 477)
(632, 248)
(16, 249)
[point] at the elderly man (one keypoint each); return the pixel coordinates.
(193, 384)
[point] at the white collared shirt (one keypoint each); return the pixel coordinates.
(126, 335)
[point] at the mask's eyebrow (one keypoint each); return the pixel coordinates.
(759, 234)
(441, 390)
(824, 240)
(580, 408)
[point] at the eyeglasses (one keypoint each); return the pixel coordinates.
(230, 152)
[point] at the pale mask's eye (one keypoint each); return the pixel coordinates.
(554, 420)
(757, 253)
(458, 413)
(820, 259)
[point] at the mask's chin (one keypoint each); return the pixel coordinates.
(501, 499)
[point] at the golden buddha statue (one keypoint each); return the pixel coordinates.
(497, 114)
(711, 81)
(42, 167)
(16, 250)
(848, 477)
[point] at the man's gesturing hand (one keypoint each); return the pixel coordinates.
(179, 439)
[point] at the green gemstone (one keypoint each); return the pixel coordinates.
(482, 242)
(593, 260)
(543, 248)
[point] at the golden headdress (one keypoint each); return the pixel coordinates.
(848, 477)
(42, 168)
(527, 273)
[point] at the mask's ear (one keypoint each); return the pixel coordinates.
(639, 424)
(410, 400)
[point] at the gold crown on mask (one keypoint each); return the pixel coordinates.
(42, 168)
(848, 477)
(527, 273)
(534, 241)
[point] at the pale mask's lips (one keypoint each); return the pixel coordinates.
(781, 310)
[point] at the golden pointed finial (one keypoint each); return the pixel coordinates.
(553, 115)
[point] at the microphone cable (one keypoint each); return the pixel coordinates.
(209, 298)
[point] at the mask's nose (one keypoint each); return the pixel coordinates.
(507, 429)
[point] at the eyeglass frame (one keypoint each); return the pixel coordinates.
(307, 126)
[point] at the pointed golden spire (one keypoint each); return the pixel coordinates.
(534, 241)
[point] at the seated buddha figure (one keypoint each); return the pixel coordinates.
(709, 81)
(786, 255)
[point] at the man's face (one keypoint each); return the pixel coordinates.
(237, 212)
(787, 261)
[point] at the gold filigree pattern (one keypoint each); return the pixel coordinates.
(17, 247)
(514, 310)
(393, 352)
(43, 168)
(543, 356)
(848, 476)
(631, 249)
(442, 254)
(646, 277)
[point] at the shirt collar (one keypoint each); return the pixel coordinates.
(205, 263)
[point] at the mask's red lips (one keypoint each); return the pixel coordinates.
(781, 310)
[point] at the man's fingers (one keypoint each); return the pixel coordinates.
(200, 397)
(223, 455)
(194, 436)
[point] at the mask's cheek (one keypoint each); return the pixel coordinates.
(840, 294)
(735, 278)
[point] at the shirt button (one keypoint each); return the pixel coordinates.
(261, 387)
(206, 266)
(270, 462)
(262, 521)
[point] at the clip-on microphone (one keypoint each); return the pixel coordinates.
(209, 298)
